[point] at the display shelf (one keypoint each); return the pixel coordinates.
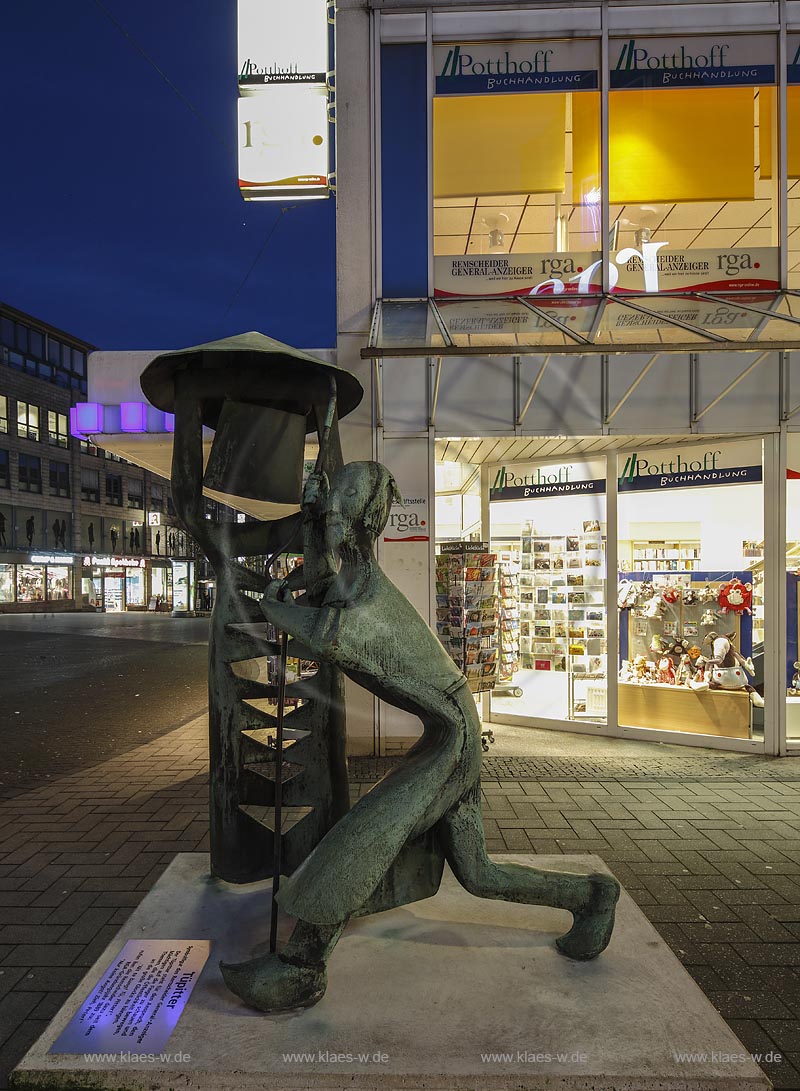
(509, 622)
(562, 618)
(666, 556)
(467, 610)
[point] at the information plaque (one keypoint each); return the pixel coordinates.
(138, 1001)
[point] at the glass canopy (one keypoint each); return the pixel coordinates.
(686, 322)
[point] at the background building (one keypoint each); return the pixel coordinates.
(79, 527)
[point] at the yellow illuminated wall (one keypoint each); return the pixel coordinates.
(487, 146)
(678, 144)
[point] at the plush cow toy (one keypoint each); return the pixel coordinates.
(726, 668)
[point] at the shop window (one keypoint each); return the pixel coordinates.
(135, 495)
(512, 174)
(30, 473)
(3, 413)
(134, 587)
(7, 577)
(90, 485)
(551, 604)
(59, 582)
(5, 470)
(27, 420)
(691, 529)
(57, 429)
(59, 478)
(30, 583)
(114, 489)
(702, 186)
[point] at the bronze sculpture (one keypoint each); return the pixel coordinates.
(391, 847)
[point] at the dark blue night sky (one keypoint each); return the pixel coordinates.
(121, 217)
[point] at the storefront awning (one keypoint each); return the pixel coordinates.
(585, 324)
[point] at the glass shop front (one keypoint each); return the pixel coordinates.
(28, 580)
(654, 623)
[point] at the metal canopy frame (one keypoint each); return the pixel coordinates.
(437, 340)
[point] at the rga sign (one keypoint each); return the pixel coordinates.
(653, 267)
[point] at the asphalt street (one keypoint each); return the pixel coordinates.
(76, 689)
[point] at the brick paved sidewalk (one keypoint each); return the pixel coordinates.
(710, 853)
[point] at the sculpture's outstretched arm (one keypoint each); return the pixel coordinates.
(315, 627)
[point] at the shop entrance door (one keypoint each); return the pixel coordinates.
(114, 601)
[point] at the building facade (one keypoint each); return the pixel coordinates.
(80, 528)
(568, 277)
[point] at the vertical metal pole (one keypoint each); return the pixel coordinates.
(612, 613)
(775, 462)
(277, 838)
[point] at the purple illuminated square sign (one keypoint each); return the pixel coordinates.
(136, 1004)
(133, 416)
(89, 417)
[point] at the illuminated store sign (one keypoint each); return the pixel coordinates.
(705, 61)
(522, 482)
(478, 68)
(113, 562)
(283, 105)
(653, 267)
(680, 469)
(282, 43)
(50, 558)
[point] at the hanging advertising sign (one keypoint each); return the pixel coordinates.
(745, 60)
(653, 267)
(282, 43)
(283, 143)
(283, 137)
(481, 68)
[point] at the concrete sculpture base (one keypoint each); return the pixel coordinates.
(449, 993)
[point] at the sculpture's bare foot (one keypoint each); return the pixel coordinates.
(594, 922)
(270, 984)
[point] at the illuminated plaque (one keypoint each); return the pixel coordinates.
(138, 1001)
(283, 143)
(282, 43)
(283, 126)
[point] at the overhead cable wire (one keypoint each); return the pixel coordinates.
(176, 90)
(257, 258)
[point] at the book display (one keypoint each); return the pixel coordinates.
(467, 610)
(562, 620)
(683, 556)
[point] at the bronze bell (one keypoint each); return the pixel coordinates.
(257, 453)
